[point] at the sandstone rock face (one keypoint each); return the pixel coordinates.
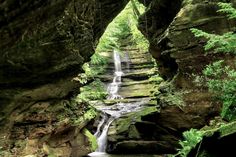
(181, 57)
(45, 41)
(166, 24)
(179, 54)
(43, 45)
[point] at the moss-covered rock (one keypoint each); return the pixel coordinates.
(217, 141)
(125, 129)
(92, 139)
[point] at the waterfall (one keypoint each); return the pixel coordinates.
(110, 113)
(102, 139)
(112, 90)
(114, 86)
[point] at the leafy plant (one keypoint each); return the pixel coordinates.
(123, 31)
(96, 66)
(93, 91)
(228, 9)
(221, 79)
(156, 79)
(220, 43)
(191, 138)
(92, 139)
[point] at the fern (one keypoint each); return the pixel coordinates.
(191, 138)
(228, 9)
(221, 80)
(220, 43)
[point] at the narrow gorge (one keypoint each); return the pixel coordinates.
(104, 78)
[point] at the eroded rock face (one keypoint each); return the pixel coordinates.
(180, 56)
(43, 41)
(43, 45)
(167, 26)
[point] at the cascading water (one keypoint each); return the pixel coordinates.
(112, 90)
(114, 86)
(110, 113)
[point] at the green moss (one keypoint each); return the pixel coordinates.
(87, 116)
(4, 152)
(167, 95)
(228, 129)
(92, 139)
(73, 113)
(197, 135)
(224, 129)
(51, 155)
(133, 132)
(123, 124)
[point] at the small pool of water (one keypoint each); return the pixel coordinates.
(100, 154)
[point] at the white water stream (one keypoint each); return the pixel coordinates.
(114, 111)
(112, 90)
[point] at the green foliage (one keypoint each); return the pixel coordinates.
(93, 68)
(191, 139)
(123, 31)
(228, 9)
(221, 80)
(220, 43)
(93, 91)
(4, 152)
(137, 37)
(92, 139)
(87, 116)
(156, 79)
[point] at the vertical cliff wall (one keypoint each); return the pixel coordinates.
(167, 25)
(180, 57)
(43, 45)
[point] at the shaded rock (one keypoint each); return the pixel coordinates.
(180, 57)
(43, 46)
(47, 40)
(148, 147)
(49, 129)
(127, 129)
(171, 42)
(217, 141)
